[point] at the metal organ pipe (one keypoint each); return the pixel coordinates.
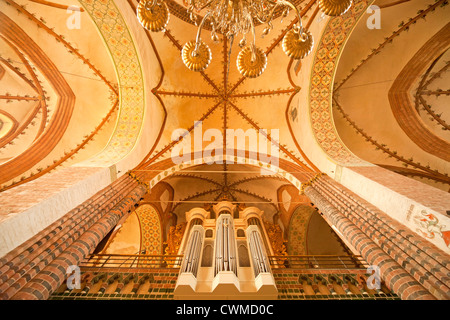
(257, 250)
(225, 245)
(253, 221)
(193, 250)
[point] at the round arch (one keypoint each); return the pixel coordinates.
(293, 173)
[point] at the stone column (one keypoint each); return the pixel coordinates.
(38, 267)
(411, 267)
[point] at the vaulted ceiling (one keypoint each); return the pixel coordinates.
(219, 97)
(390, 97)
(58, 90)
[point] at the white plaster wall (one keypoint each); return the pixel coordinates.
(397, 206)
(17, 227)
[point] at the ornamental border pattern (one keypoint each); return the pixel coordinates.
(151, 229)
(118, 40)
(298, 230)
(330, 47)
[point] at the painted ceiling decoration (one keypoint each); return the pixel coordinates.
(293, 88)
(39, 126)
(201, 185)
(151, 229)
(55, 130)
(321, 84)
(220, 97)
(118, 40)
(298, 229)
(236, 183)
(429, 87)
(401, 104)
(8, 125)
(196, 184)
(224, 95)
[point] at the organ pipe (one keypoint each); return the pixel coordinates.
(225, 252)
(257, 251)
(193, 250)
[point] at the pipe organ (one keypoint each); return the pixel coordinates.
(225, 257)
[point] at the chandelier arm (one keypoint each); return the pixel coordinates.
(253, 46)
(152, 4)
(192, 6)
(197, 39)
(206, 5)
(273, 12)
(302, 35)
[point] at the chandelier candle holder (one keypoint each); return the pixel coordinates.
(233, 17)
(196, 54)
(153, 15)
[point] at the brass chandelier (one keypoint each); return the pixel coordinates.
(234, 17)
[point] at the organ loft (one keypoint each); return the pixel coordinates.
(225, 255)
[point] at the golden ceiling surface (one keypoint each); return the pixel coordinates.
(225, 97)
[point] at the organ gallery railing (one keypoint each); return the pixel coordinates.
(132, 261)
(318, 262)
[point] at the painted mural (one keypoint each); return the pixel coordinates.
(151, 231)
(298, 228)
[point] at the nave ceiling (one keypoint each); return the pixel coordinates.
(220, 97)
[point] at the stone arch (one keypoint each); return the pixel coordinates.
(401, 104)
(281, 169)
(310, 234)
(125, 238)
(323, 71)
